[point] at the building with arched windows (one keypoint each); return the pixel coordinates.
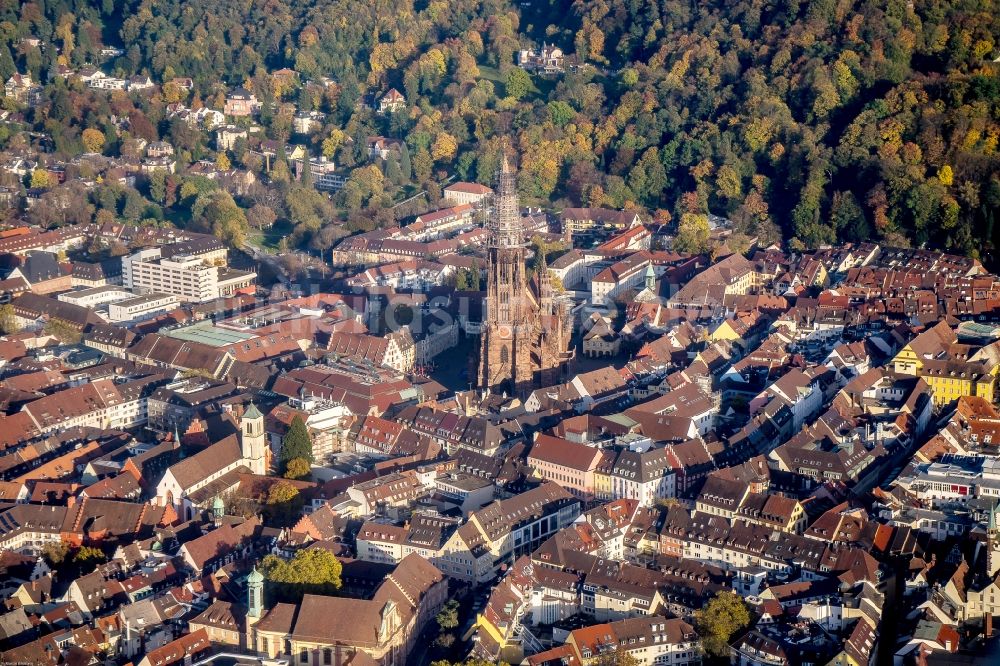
(194, 483)
(334, 631)
(525, 336)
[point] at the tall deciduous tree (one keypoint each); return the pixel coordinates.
(283, 504)
(307, 177)
(93, 140)
(723, 616)
(518, 83)
(692, 234)
(62, 330)
(260, 216)
(311, 571)
(40, 178)
(8, 321)
(297, 468)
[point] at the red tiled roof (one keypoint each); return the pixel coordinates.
(563, 452)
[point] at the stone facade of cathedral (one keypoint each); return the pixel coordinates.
(526, 333)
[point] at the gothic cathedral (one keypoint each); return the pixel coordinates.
(526, 333)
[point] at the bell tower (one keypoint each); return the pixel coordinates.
(253, 440)
(525, 336)
(255, 606)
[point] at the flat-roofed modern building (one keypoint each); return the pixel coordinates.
(141, 307)
(231, 281)
(95, 296)
(188, 277)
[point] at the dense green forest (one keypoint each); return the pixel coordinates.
(806, 121)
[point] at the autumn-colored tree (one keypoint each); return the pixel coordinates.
(722, 617)
(56, 552)
(62, 330)
(260, 216)
(297, 468)
(423, 163)
(8, 320)
(693, 234)
(40, 178)
(444, 147)
(281, 492)
(371, 181)
(310, 571)
(89, 555)
(332, 142)
(93, 140)
(217, 212)
(172, 92)
(309, 36)
(280, 173)
(283, 504)
(65, 32)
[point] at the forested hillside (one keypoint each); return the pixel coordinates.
(848, 119)
(806, 121)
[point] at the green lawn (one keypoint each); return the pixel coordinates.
(406, 191)
(540, 87)
(491, 74)
(269, 238)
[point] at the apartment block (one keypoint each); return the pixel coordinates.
(185, 276)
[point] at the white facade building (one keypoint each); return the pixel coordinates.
(186, 277)
(95, 296)
(141, 307)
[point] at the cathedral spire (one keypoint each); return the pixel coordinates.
(516, 352)
(504, 226)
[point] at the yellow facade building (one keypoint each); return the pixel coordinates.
(949, 369)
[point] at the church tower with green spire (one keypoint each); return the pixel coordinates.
(255, 606)
(650, 278)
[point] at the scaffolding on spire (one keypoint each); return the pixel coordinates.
(504, 224)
